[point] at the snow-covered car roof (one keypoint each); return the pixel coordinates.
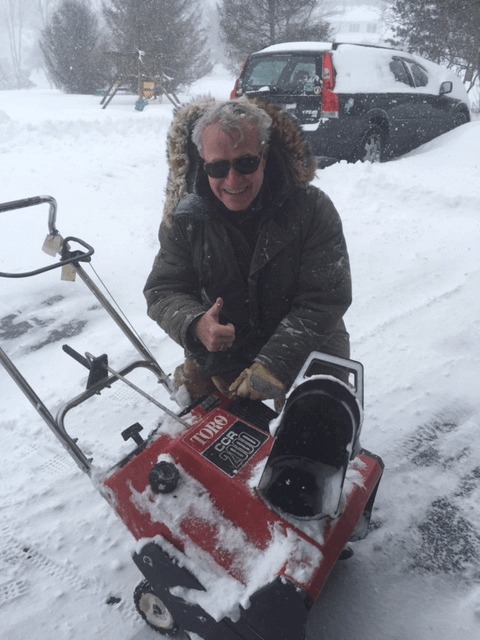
(351, 61)
(296, 46)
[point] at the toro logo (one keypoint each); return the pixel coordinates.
(225, 442)
(208, 432)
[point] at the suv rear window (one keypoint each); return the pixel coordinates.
(294, 74)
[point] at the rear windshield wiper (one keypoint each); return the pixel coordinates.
(263, 89)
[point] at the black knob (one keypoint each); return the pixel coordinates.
(164, 477)
(133, 432)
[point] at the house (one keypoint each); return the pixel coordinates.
(359, 22)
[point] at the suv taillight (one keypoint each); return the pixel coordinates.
(234, 94)
(328, 80)
(329, 104)
(329, 98)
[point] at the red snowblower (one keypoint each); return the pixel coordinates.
(238, 514)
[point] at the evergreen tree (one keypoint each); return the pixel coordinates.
(444, 31)
(250, 26)
(70, 46)
(170, 36)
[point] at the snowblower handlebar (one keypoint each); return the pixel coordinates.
(68, 257)
(54, 242)
(31, 202)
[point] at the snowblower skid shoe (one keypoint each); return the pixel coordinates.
(317, 435)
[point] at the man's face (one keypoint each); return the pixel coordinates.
(235, 191)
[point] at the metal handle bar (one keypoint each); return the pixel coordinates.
(31, 202)
(76, 256)
(53, 231)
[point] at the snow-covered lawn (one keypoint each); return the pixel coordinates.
(413, 229)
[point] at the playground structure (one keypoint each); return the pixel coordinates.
(140, 73)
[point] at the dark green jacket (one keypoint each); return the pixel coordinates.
(285, 300)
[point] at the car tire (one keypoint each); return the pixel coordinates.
(459, 119)
(371, 147)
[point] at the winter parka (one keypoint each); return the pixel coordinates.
(284, 275)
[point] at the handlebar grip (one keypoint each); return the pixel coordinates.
(76, 356)
(31, 202)
(20, 204)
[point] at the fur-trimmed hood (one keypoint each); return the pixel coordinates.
(289, 156)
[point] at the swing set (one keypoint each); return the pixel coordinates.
(133, 75)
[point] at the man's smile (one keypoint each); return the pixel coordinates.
(234, 192)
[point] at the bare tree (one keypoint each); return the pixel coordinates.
(43, 9)
(13, 14)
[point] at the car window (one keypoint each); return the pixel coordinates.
(303, 76)
(420, 76)
(292, 74)
(263, 72)
(400, 71)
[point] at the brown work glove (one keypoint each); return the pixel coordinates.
(257, 383)
(222, 386)
(188, 374)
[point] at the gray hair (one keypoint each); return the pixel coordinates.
(233, 115)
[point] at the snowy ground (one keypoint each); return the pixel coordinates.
(413, 229)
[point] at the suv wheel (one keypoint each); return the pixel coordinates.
(459, 119)
(371, 147)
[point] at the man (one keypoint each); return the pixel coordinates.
(253, 272)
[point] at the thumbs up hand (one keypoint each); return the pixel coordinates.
(213, 335)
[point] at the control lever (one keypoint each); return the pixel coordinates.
(98, 366)
(133, 432)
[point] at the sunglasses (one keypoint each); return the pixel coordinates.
(245, 165)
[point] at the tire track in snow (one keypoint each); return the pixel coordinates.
(408, 312)
(443, 532)
(12, 590)
(21, 557)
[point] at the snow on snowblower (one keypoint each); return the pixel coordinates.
(239, 514)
